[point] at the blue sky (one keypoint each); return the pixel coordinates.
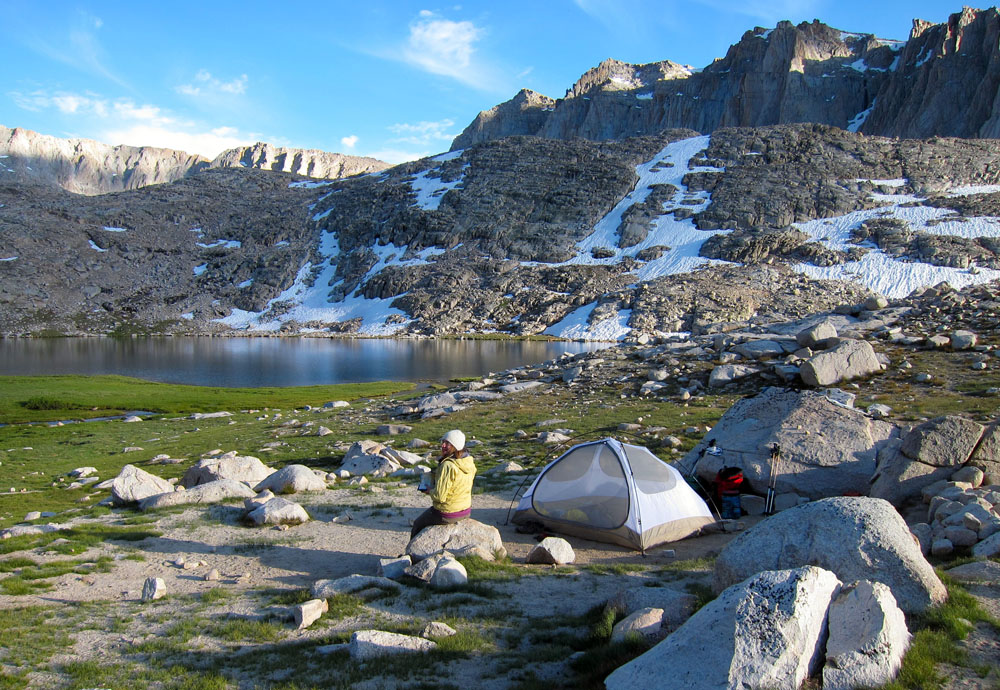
(393, 80)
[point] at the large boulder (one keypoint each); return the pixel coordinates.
(826, 449)
(371, 644)
(292, 479)
(868, 638)
(278, 511)
(943, 441)
(241, 468)
(927, 453)
(856, 538)
(766, 632)
(212, 492)
(456, 537)
(133, 484)
(370, 465)
(848, 359)
(987, 455)
(899, 479)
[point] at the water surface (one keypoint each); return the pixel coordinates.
(252, 362)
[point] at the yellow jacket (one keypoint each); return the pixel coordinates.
(452, 490)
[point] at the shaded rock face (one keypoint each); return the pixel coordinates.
(845, 535)
(524, 114)
(940, 82)
(197, 246)
(765, 632)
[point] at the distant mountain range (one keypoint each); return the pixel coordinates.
(782, 179)
(83, 166)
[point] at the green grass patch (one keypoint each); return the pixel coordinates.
(9, 565)
(615, 568)
(216, 595)
(30, 637)
(244, 630)
(28, 581)
(78, 538)
(343, 606)
(36, 398)
(485, 571)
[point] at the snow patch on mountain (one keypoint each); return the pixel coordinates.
(308, 298)
(669, 166)
(898, 277)
(577, 326)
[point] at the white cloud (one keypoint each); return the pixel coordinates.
(349, 142)
(208, 144)
(205, 84)
(125, 122)
(445, 47)
(66, 103)
(423, 133)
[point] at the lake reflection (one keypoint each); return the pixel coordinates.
(251, 362)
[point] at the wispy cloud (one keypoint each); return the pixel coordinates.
(442, 46)
(449, 48)
(66, 103)
(630, 19)
(78, 46)
(415, 140)
(204, 84)
(423, 133)
(349, 142)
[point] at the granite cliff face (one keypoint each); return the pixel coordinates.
(943, 81)
(84, 166)
(308, 162)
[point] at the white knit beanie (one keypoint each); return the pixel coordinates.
(455, 438)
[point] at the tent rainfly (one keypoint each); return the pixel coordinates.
(614, 492)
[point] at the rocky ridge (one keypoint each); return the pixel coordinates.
(939, 82)
(83, 166)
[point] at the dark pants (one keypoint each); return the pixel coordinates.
(429, 517)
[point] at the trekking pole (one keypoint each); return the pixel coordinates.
(773, 479)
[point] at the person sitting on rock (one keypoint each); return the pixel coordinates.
(451, 485)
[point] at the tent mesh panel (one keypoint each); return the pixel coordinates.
(586, 486)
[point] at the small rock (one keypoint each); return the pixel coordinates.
(154, 588)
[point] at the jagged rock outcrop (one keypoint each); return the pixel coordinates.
(308, 162)
(942, 81)
(524, 114)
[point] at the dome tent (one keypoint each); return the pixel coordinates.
(614, 492)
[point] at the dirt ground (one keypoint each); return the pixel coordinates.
(200, 539)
